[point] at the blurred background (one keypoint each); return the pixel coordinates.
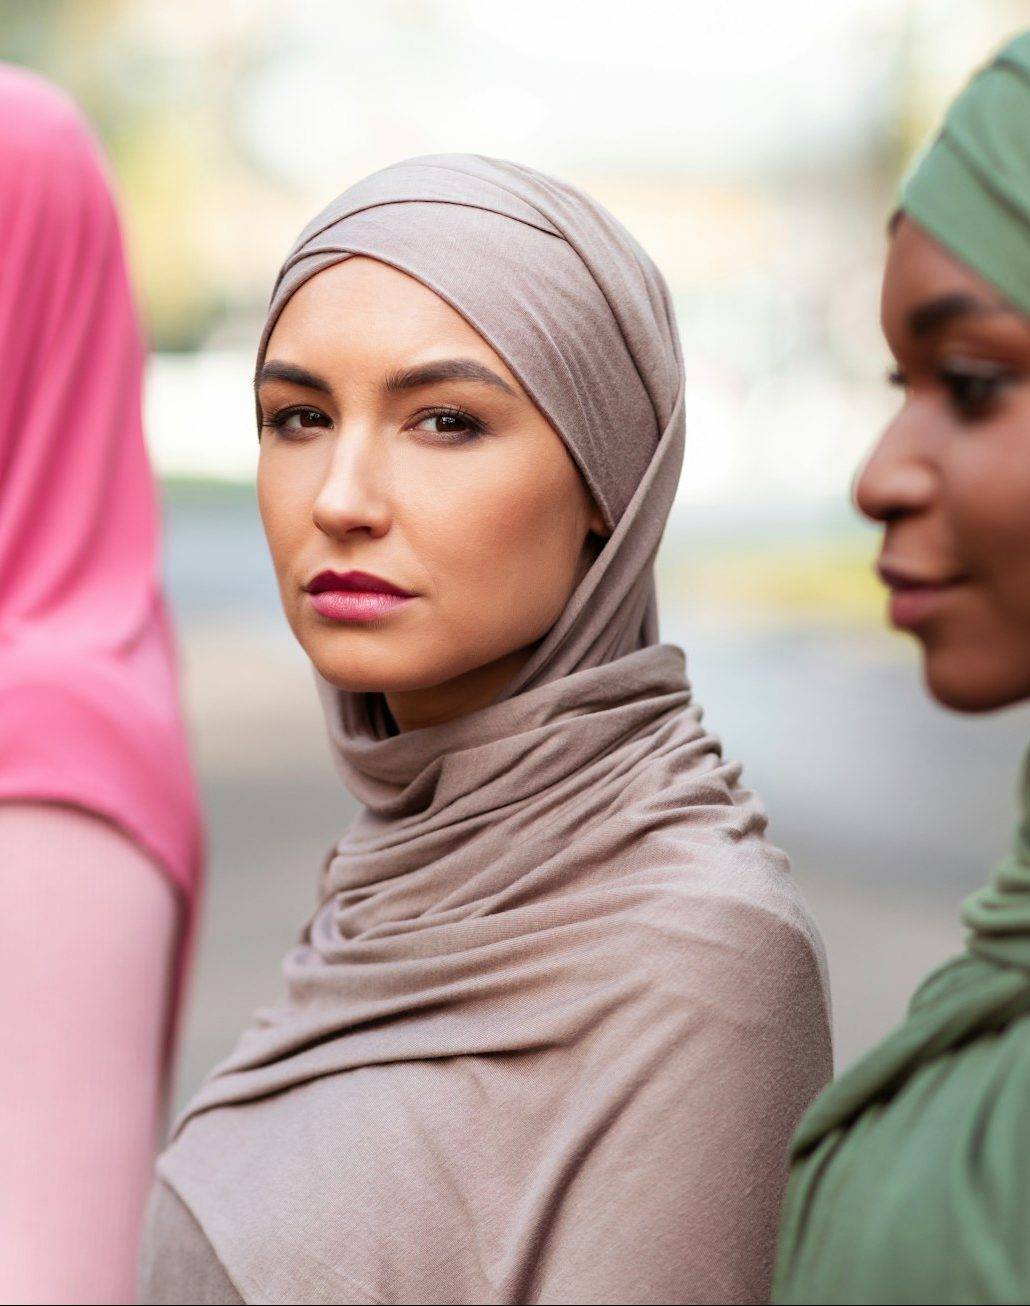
(755, 150)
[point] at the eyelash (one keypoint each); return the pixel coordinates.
(278, 420)
(475, 428)
(971, 392)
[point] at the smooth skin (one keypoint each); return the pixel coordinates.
(395, 441)
(949, 479)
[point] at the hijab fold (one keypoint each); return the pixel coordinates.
(909, 1179)
(977, 993)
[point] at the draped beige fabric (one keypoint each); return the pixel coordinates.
(548, 1032)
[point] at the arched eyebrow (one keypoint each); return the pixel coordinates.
(409, 378)
(446, 369)
(932, 314)
(276, 371)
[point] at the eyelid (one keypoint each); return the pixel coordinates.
(447, 410)
(976, 367)
(278, 418)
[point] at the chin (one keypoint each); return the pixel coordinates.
(974, 685)
(354, 659)
(366, 673)
(358, 679)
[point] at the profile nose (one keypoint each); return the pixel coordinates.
(897, 478)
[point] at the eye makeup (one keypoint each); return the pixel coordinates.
(440, 425)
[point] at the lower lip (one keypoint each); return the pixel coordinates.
(357, 605)
(911, 608)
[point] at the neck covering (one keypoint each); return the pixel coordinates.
(910, 1180)
(88, 702)
(559, 1005)
(971, 187)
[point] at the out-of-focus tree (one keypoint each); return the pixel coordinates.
(157, 114)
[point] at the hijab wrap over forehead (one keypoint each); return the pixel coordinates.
(971, 187)
(559, 1007)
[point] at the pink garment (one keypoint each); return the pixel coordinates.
(84, 1021)
(89, 711)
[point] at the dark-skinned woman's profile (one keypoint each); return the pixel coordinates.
(549, 1029)
(911, 1177)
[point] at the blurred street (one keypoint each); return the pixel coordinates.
(228, 126)
(891, 809)
(172, 175)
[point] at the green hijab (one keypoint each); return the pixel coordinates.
(971, 187)
(910, 1175)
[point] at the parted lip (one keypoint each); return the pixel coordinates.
(900, 578)
(360, 581)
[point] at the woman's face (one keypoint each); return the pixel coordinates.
(395, 442)
(950, 477)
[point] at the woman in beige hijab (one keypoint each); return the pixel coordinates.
(549, 1029)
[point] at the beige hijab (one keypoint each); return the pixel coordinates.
(549, 1030)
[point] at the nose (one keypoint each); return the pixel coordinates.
(354, 495)
(898, 476)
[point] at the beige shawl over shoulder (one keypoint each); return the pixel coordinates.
(548, 1033)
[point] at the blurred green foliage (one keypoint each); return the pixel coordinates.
(154, 135)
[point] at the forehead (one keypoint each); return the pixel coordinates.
(919, 268)
(362, 309)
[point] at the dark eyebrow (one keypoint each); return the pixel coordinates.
(932, 314)
(447, 369)
(275, 371)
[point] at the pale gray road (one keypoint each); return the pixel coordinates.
(891, 809)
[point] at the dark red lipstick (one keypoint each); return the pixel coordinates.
(355, 595)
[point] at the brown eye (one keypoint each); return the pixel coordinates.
(449, 425)
(974, 390)
(292, 421)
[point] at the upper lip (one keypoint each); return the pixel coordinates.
(353, 580)
(900, 578)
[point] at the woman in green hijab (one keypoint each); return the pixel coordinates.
(911, 1174)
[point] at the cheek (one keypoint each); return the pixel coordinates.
(507, 537)
(980, 660)
(987, 500)
(285, 493)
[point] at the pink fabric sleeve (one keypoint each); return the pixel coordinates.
(89, 697)
(87, 949)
